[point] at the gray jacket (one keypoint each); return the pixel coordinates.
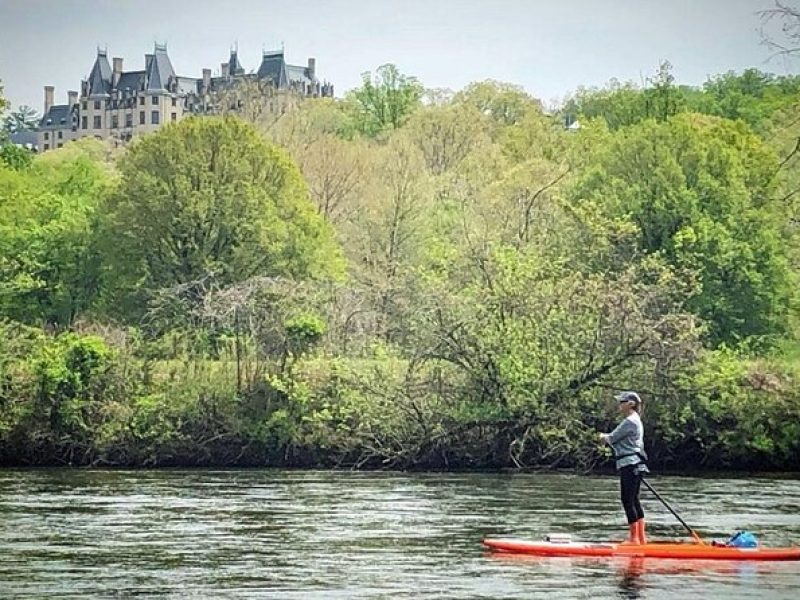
(627, 440)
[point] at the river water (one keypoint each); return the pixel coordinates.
(322, 534)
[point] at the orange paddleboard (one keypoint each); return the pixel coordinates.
(675, 550)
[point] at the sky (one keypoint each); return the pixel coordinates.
(549, 47)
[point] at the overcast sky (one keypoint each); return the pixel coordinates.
(549, 47)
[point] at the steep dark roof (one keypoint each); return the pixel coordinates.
(273, 68)
(58, 117)
(296, 73)
(160, 69)
(24, 138)
(234, 66)
(131, 80)
(100, 77)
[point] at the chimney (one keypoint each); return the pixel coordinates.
(148, 58)
(48, 97)
(224, 69)
(206, 79)
(312, 68)
(72, 98)
(116, 73)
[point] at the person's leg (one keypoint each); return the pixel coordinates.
(628, 480)
(636, 485)
(637, 506)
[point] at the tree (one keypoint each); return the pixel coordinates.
(662, 99)
(24, 118)
(785, 41)
(49, 265)
(318, 136)
(504, 103)
(313, 119)
(386, 235)
(752, 96)
(208, 197)
(619, 104)
(335, 171)
(447, 134)
(385, 101)
(3, 105)
(622, 104)
(16, 157)
(700, 191)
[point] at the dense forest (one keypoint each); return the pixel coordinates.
(412, 278)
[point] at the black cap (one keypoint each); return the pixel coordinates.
(629, 397)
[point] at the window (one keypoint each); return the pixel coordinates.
(141, 100)
(174, 102)
(60, 134)
(141, 118)
(154, 100)
(129, 120)
(154, 117)
(60, 145)
(97, 104)
(47, 146)
(84, 124)
(46, 135)
(174, 117)
(114, 122)
(97, 122)
(85, 105)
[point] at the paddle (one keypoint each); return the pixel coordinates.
(691, 531)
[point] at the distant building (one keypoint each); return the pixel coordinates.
(122, 104)
(24, 139)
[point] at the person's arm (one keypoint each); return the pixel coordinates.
(621, 431)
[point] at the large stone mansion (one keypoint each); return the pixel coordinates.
(122, 104)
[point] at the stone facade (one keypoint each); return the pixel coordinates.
(119, 104)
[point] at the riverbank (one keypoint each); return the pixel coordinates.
(86, 400)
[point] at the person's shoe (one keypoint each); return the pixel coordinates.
(640, 535)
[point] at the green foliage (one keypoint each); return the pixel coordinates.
(49, 268)
(3, 105)
(304, 329)
(14, 157)
(504, 274)
(384, 101)
(504, 103)
(210, 197)
(752, 96)
(699, 191)
(728, 410)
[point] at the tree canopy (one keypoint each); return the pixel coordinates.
(210, 197)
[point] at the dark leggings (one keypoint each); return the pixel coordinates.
(630, 481)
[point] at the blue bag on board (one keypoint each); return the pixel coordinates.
(743, 539)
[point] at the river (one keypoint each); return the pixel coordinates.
(328, 534)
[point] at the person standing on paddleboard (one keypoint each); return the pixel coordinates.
(627, 441)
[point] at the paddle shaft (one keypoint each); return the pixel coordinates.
(670, 509)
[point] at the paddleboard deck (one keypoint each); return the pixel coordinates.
(676, 550)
